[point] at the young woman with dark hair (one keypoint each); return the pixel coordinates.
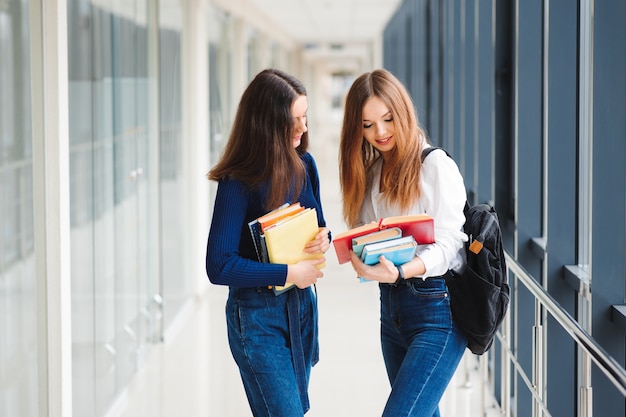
(273, 338)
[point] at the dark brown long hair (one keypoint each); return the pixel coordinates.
(357, 155)
(260, 148)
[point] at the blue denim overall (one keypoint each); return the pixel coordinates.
(421, 345)
(274, 340)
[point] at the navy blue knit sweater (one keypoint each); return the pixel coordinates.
(230, 256)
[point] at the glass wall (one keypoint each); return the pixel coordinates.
(176, 284)
(114, 174)
(18, 325)
(129, 183)
(220, 39)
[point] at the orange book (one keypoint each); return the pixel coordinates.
(420, 226)
(275, 216)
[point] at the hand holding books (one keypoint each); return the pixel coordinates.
(388, 244)
(288, 235)
(420, 226)
(395, 238)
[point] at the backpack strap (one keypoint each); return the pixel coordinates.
(426, 152)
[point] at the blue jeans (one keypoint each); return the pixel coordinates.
(274, 340)
(421, 345)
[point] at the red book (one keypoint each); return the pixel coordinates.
(420, 226)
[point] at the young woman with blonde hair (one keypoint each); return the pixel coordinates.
(382, 175)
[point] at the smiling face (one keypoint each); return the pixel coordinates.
(298, 112)
(378, 127)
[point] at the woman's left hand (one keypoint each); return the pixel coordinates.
(384, 271)
(320, 244)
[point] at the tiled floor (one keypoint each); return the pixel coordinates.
(193, 374)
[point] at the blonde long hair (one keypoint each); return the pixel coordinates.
(356, 155)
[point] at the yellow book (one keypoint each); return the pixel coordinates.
(285, 240)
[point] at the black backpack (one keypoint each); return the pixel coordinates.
(479, 296)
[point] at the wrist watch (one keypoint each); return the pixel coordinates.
(400, 275)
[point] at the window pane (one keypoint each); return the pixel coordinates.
(18, 338)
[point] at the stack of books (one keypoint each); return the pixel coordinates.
(396, 238)
(419, 226)
(388, 242)
(280, 236)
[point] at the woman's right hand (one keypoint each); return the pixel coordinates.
(305, 273)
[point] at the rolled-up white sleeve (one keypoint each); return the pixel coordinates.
(443, 198)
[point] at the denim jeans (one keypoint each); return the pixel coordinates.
(421, 345)
(274, 341)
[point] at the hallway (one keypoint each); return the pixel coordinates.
(113, 111)
(192, 373)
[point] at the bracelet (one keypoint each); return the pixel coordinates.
(400, 275)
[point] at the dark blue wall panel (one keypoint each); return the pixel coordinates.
(496, 83)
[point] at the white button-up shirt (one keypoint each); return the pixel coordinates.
(443, 198)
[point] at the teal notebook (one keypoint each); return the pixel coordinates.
(399, 251)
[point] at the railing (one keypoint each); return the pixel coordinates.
(589, 350)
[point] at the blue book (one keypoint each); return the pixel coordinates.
(259, 241)
(399, 251)
(358, 243)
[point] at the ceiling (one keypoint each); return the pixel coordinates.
(329, 21)
(340, 34)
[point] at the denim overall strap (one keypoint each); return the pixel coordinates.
(297, 351)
